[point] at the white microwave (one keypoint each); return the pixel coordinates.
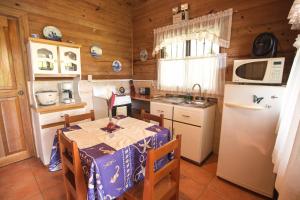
(264, 71)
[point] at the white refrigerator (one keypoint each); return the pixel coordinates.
(250, 116)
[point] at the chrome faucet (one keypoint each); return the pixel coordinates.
(197, 84)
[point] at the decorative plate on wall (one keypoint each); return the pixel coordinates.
(96, 51)
(52, 33)
(116, 66)
(143, 55)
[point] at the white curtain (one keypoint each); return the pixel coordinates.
(181, 74)
(294, 15)
(213, 27)
(286, 154)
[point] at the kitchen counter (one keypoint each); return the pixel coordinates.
(59, 107)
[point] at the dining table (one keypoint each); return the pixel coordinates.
(113, 160)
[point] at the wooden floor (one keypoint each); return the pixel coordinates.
(30, 180)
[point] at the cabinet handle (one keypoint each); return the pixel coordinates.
(161, 111)
(185, 116)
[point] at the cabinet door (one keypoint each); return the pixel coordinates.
(69, 60)
(161, 108)
(43, 58)
(16, 141)
(191, 140)
(47, 138)
(168, 124)
(193, 116)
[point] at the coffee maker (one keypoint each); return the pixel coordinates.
(66, 92)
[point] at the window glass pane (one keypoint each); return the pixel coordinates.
(171, 74)
(168, 51)
(200, 47)
(193, 47)
(216, 48)
(180, 49)
(188, 48)
(173, 50)
(207, 47)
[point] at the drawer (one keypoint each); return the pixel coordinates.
(161, 108)
(59, 116)
(192, 116)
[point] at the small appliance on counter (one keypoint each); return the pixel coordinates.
(46, 98)
(144, 91)
(66, 92)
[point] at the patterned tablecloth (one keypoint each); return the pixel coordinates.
(113, 162)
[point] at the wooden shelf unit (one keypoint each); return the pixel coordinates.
(59, 107)
(45, 41)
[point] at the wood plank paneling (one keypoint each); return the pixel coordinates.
(12, 125)
(87, 22)
(250, 18)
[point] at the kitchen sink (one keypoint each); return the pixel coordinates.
(197, 103)
(179, 100)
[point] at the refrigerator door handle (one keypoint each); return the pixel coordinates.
(249, 107)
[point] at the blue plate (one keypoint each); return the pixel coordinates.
(116, 66)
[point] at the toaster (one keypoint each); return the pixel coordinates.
(144, 91)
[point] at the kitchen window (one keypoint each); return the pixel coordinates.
(184, 63)
(190, 53)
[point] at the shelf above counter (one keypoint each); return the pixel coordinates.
(141, 97)
(58, 107)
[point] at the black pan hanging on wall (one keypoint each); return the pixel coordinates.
(265, 46)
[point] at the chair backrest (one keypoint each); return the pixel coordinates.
(149, 117)
(171, 168)
(75, 184)
(76, 118)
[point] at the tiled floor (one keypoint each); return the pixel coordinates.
(30, 180)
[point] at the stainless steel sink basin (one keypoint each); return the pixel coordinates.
(182, 102)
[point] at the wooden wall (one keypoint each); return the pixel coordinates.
(107, 23)
(250, 18)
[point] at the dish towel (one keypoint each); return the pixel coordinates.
(122, 110)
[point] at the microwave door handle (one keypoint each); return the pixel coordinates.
(243, 106)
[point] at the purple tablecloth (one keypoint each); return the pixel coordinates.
(109, 173)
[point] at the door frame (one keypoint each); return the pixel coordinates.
(23, 27)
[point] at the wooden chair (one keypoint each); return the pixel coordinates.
(164, 183)
(75, 184)
(76, 118)
(149, 117)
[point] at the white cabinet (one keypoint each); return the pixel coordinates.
(191, 144)
(44, 58)
(44, 136)
(162, 108)
(55, 59)
(69, 60)
(196, 125)
(168, 124)
(193, 116)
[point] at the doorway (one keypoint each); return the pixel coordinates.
(16, 139)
